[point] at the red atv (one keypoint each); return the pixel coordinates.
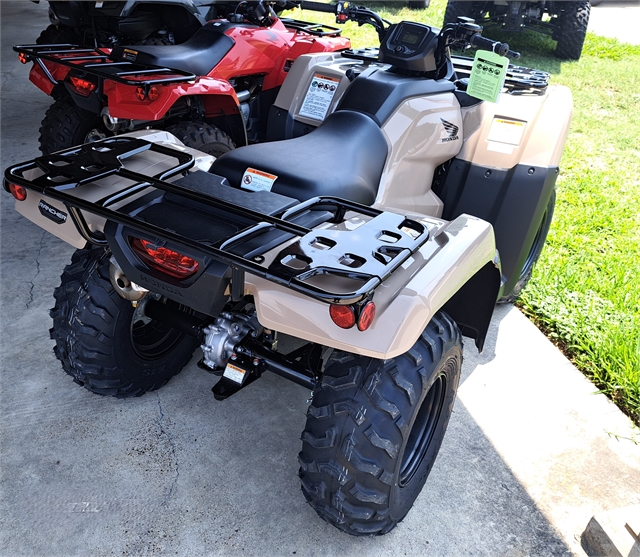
(213, 92)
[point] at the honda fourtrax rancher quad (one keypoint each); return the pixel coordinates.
(371, 240)
(213, 92)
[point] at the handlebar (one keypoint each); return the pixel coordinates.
(501, 49)
(319, 7)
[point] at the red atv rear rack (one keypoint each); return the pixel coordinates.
(98, 63)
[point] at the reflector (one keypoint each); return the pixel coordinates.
(343, 316)
(18, 192)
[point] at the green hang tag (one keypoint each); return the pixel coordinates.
(487, 75)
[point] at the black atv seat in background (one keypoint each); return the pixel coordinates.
(344, 157)
(199, 55)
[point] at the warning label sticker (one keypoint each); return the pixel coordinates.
(234, 373)
(129, 54)
(257, 180)
(319, 96)
(506, 131)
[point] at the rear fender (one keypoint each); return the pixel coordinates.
(41, 81)
(53, 216)
(456, 266)
(217, 96)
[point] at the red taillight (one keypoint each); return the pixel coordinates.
(366, 316)
(153, 94)
(343, 316)
(83, 87)
(18, 192)
(166, 260)
(23, 58)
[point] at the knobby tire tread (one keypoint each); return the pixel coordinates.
(356, 425)
(84, 321)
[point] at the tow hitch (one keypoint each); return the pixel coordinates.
(236, 347)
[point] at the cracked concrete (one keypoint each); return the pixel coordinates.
(164, 431)
(37, 262)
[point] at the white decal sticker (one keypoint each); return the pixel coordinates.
(234, 373)
(506, 131)
(498, 147)
(256, 180)
(319, 96)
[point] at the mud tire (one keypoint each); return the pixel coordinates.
(572, 29)
(203, 137)
(419, 4)
(66, 125)
(459, 8)
(534, 253)
(363, 461)
(97, 341)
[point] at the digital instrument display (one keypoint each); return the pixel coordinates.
(410, 38)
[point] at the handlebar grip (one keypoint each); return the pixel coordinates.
(318, 7)
(502, 49)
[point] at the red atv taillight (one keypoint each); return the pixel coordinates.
(345, 316)
(18, 192)
(366, 316)
(81, 86)
(153, 94)
(23, 58)
(165, 260)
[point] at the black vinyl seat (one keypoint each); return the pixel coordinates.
(199, 55)
(344, 157)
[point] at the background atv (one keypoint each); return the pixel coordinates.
(567, 24)
(213, 92)
(108, 24)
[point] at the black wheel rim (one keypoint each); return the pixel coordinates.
(423, 430)
(153, 340)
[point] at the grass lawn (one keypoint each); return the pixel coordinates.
(585, 291)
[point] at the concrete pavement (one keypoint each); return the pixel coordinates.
(531, 455)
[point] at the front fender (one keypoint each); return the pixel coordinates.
(457, 264)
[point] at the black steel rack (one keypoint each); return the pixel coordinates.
(518, 81)
(317, 29)
(367, 255)
(96, 62)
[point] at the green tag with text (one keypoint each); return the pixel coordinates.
(487, 75)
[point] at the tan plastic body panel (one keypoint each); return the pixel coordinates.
(294, 89)
(418, 143)
(147, 163)
(545, 120)
(405, 303)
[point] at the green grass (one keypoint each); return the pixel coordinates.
(585, 291)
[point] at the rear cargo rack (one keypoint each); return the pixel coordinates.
(519, 80)
(363, 258)
(96, 62)
(317, 29)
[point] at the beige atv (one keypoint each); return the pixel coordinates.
(366, 230)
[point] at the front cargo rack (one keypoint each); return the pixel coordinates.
(367, 255)
(518, 81)
(96, 62)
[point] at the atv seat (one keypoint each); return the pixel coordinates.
(199, 55)
(344, 157)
